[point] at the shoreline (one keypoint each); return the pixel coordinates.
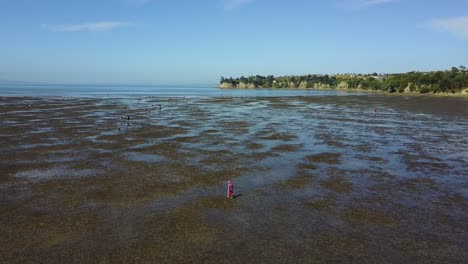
(357, 90)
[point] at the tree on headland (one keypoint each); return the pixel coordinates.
(454, 80)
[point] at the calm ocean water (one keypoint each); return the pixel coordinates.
(162, 91)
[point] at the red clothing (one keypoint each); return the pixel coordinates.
(230, 189)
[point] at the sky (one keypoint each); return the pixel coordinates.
(148, 42)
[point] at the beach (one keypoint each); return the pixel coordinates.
(360, 178)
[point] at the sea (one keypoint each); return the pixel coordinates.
(110, 91)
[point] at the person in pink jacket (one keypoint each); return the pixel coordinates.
(230, 189)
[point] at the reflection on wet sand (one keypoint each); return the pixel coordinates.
(319, 179)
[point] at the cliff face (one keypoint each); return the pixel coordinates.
(240, 85)
(410, 88)
(303, 85)
(342, 85)
(225, 85)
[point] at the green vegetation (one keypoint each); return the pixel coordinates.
(450, 81)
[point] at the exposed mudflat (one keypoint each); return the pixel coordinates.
(318, 179)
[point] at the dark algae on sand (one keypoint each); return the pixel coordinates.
(324, 179)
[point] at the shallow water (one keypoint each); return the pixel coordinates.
(135, 91)
(320, 179)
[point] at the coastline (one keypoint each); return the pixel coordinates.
(463, 94)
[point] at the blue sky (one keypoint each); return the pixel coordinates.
(197, 41)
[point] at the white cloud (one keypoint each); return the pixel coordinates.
(94, 26)
(233, 4)
(456, 25)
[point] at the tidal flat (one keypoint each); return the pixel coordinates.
(318, 179)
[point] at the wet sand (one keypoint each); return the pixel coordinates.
(320, 179)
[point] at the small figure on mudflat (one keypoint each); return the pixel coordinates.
(230, 189)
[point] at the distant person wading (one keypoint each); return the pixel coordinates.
(230, 189)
